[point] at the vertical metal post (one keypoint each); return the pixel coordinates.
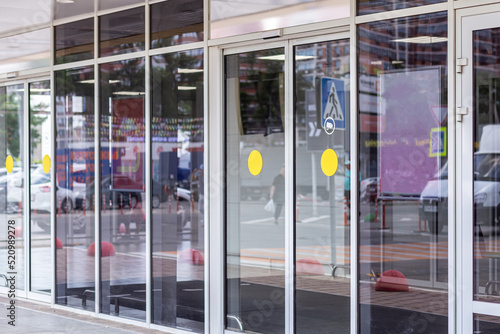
(97, 164)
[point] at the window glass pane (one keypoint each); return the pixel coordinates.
(230, 17)
(40, 140)
(111, 4)
(255, 172)
(63, 10)
(122, 32)
(74, 41)
(485, 324)
(377, 6)
(11, 180)
(25, 51)
(403, 219)
(123, 240)
(178, 190)
(176, 22)
(322, 188)
(486, 165)
(74, 98)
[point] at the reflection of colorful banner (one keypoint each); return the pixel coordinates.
(127, 144)
(406, 101)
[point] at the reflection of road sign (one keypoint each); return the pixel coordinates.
(333, 101)
(316, 137)
(329, 126)
(438, 142)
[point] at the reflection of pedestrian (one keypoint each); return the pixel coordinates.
(200, 176)
(278, 193)
(347, 182)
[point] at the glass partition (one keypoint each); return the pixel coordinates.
(75, 203)
(322, 187)
(255, 173)
(377, 6)
(122, 32)
(403, 188)
(40, 164)
(12, 204)
(74, 41)
(176, 22)
(486, 127)
(230, 18)
(178, 190)
(123, 240)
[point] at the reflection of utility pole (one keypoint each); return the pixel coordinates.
(333, 224)
(329, 68)
(314, 185)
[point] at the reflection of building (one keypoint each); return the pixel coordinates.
(146, 105)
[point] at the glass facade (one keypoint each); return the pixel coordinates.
(178, 195)
(377, 6)
(403, 170)
(176, 22)
(235, 193)
(75, 201)
(74, 41)
(322, 190)
(255, 174)
(122, 32)
(123, 256)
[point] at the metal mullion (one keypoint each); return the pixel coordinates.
(69, 66)
(254, 47)
(26, 193)
(176, 48)
(354, 143)
(452, 162)
(97, 167)
(289, 193)
(420, 10)
(215, 178)
(148, 157)
(206, 161)
(126, 56)
(53, 182)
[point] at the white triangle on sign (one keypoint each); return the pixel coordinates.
(332, 108)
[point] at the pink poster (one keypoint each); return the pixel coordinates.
(409, 100)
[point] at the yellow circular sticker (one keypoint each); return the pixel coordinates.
(329, 162)
(46, 164)
(9, 164)
(255, 162)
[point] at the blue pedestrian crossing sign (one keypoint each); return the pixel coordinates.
(333, 101)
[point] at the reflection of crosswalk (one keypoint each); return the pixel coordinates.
(368, 254)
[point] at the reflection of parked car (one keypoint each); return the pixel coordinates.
(11, 190)
(368, 189)
(122, 192)
(128, 190)
(434, 197)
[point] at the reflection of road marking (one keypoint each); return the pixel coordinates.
(405, 219)
(256, 221)
(313, 219)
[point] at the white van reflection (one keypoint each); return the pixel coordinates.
(434, 197)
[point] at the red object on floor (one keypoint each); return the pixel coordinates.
(193, 256)
(59, 244)
(107, 249)
(19, 231)
(392, 280)
(309, 266)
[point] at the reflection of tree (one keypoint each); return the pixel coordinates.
(11, 105)
(171, 103)
(37, 119)
(261, 90)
